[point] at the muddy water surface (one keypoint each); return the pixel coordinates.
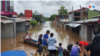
(61, 35)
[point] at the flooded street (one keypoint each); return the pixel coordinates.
(61, 35)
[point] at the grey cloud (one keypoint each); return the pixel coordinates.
(48, 8)
(97, 3)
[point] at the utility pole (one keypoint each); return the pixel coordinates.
(72, 15)
(80, 12)
(86, 13)
(62, 15)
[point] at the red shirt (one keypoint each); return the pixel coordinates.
(83, 42)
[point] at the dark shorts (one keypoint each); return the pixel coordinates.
(39, 49)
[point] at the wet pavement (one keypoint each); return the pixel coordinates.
(61, 35)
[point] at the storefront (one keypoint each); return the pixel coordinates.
(7, 29)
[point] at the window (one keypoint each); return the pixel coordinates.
(11, 6)
(5, 5)
(0, 5)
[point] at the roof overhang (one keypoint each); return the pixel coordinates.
(73, 25)
(18, 19)
(88, 21)
(6, 21)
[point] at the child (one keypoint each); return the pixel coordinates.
(75, 50)
(27, 36)
(60, 49)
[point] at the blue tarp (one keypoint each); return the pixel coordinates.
(13, 53)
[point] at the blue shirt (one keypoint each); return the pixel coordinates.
(74, 51)
(45, 37)
(60, 50)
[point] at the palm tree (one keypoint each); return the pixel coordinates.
(62, 10)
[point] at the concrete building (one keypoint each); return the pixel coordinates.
(61, 20)
(7, 29)
(11, 26)
(86, 29)
(85, 12)
(76, 16)
(19, 24)
(7, 8)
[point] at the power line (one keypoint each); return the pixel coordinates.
(44, 2)
(68, 3)
(22, 4)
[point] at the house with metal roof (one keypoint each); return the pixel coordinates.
(7, 29)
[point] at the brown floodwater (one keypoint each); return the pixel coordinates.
(61, 35)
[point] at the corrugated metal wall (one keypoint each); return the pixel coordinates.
(7, 30)
(20, 26)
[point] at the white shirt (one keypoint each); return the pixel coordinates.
(51, 47)
(27, 37)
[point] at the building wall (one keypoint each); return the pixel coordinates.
(89, 32)
(92, 13)
(83, 32)
(20, 26)
(1, 30)
(7, 30)
(6, 8)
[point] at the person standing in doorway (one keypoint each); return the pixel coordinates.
(45, 45)
(82, 45)
(51, 45)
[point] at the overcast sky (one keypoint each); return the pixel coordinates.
(48, 8)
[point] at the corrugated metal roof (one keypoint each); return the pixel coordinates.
(6, 21)
(77, 10)
(18, 19)
(73, 25)
(88, 21)
(26, 18)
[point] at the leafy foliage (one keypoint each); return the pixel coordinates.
(38, 17)
(18, 15)
(62, 10)
(33, 23)
(46, 19)
(52, 17)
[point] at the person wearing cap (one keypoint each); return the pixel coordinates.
(40, 44)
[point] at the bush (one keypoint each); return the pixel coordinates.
(33, 23)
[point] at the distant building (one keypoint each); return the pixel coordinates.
(60, 17)
(86, 14)
(7, 8)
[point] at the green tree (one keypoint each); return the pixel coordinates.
(62, 10)
(18, 15)
(38, 18)
(32, 13)
(33, 23)
(52, 17)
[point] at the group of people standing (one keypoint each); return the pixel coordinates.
(48, 45)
